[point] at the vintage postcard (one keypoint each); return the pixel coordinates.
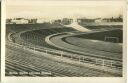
(76, 40)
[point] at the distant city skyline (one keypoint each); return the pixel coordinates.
(55, 10)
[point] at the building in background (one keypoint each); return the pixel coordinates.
(66, 21)
(32, 21)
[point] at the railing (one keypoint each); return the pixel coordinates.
(99, 62)
(75, 57)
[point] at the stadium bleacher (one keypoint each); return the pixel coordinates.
(21, 60)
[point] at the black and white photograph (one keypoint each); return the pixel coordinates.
(62, 39)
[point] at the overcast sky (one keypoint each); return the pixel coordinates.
(61, 9)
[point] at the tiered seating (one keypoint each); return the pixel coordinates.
(37, 37)
(101, 35)
(29, 62)
(22, 60)
(14, 28)
(103, 27)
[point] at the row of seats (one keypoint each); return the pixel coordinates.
(24, 61)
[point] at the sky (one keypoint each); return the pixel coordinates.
(62, 9)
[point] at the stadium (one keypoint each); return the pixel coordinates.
(64, 50)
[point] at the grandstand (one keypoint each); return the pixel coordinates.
(28, 51)
(103, 34)
(96, 27)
